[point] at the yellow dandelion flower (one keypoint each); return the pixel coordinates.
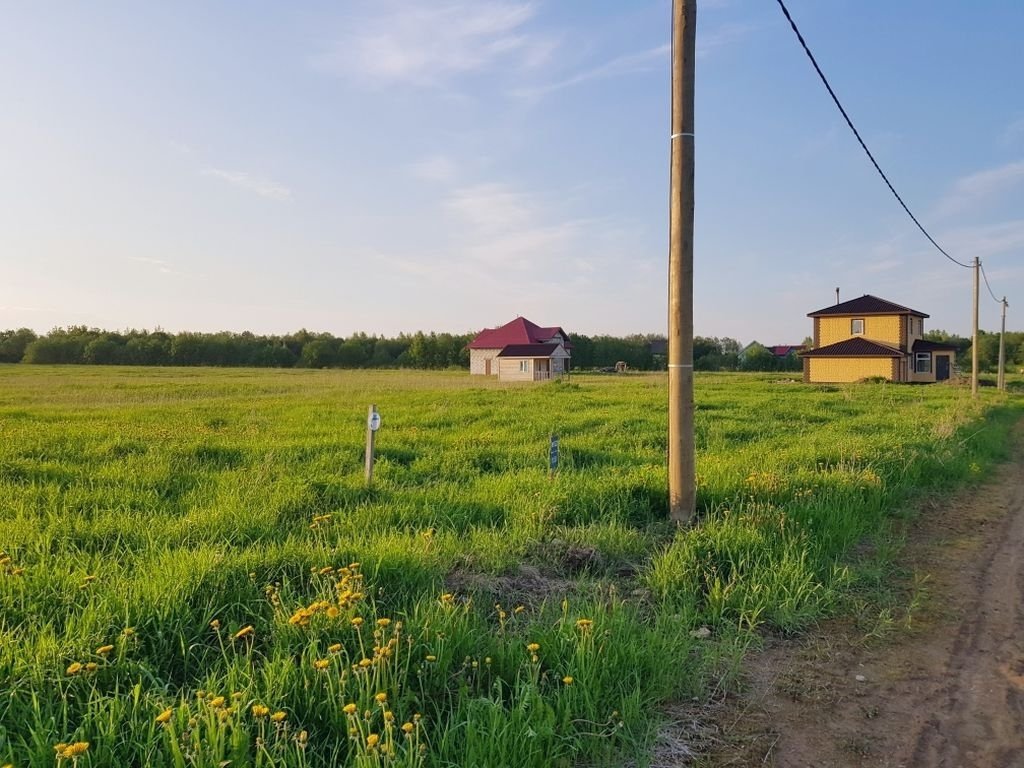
(321, 664)
(236, 695)
(74, 668)
(333, 612)
(520, 608)
(215, 624)
(567, 680)
(278, 716)
(92, 666)
(103, 650)
(326, 570)
(260, 710)
(431, 658)
(217, 701)
(372, 740)
(72, 751)
(336, 648)
(60, 747)
(165, 716)
(389, 717)
(584, 624)
(533, 647)
(408, 727)
(245, 631)
(128, 631)
(349, 709)
(381, 697)
(357, 622)
(383, 622)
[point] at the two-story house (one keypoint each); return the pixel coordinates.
(869, 336)
(520, 351)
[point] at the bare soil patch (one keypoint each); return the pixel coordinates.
(948, 691)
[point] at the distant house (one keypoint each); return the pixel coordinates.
(868, 337)
(785, 350)
(520, 351)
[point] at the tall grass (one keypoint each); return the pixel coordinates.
(193, 571)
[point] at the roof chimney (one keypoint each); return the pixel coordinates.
(837, 294)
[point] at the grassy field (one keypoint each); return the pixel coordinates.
(192, 572)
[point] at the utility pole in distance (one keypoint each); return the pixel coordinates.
(682, 491)
(1002, 349)
(974, 337)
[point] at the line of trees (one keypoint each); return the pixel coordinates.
(303, 349)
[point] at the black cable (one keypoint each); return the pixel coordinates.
(856, 133)
(997, 301)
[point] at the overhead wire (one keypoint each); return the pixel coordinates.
(990, 293)
(856, 133)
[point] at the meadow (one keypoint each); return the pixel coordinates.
(194, 573)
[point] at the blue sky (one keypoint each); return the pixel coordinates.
(392, 165)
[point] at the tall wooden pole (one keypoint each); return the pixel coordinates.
(1002, 349)
(974, 336)
(682, 492)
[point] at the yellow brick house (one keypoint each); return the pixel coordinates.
(868, 337)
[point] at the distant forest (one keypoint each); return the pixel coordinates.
(78, 345)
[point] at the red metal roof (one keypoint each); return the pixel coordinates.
(867, 305)
(782, 350)
(855, 347)
(519, 331)
(528, 350)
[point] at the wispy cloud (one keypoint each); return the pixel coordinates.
(436, 168)
(721, 37)
(161, 266)
(976, 187)
(424, 44)
(630, 63)
(263, 187)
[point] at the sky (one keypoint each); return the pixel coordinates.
(446, 165)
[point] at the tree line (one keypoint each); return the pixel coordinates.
(303, 349)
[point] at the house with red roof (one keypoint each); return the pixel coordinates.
(869, 337)
(520, 351)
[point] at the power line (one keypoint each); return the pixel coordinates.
(856, 133)
(996, 300)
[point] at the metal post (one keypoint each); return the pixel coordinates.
(682, 491)
(370, 440)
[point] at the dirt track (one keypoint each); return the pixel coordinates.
(950, 692)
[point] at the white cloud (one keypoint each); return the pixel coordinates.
(247, 181)
(424, 44)
(976, 187)
(437, 168)
(631, 63)
(723, 36)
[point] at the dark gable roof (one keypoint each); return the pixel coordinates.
(528, 350)
(921, 345)
(855, 347)
(867, 305)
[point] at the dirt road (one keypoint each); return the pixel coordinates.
(948, 692)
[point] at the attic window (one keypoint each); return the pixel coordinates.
(857, 326)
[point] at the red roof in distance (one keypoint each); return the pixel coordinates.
(528, 350)
(519, 331)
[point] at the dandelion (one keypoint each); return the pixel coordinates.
(349, 709)
(519, 609)
(72, 751)
(74, 668)
(567, 680)
(533, 647)
(217, 702)
(326, 570)
(321, 664)
(364, 663)
(408, 727)
(383, 622)
(103, 650)
(371, 740)
(245, 631)
(381, 698)
(389, 717)
(165, 716)
(278, 717)
(215, 625)
(333, 612)
(236, 696)
(431, 658)
(336, 648)
(200, 694)
(87, 579)
(92, 666)
(260, 710)
(584, 625)
(357, 622)
(128, 631)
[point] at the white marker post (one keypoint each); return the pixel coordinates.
(372, 425)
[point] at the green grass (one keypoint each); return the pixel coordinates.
(164, 511)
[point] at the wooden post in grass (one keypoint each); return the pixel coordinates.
(1002, 349)
(372, 425)
(974, 334)
(553, 455)
(682, 491)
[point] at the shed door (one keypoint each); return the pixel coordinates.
(941, 367)
(487, 367)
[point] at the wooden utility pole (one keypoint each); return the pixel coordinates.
(974, 337)
(682, 491)
(1002, 349)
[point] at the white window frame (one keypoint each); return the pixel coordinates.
(922, 357)
(524, 366)
(853, 326)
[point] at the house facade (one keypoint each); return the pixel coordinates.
(520, 351)
(867, 337)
